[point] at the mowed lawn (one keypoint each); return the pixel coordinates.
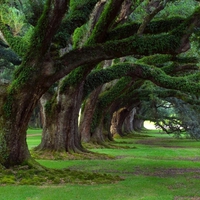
(153, 166)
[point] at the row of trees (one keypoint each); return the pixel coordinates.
(101, 57)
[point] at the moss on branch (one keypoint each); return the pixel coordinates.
(98, 34)
(16, 43)
(105, 21)
(77, 16)
(138, 69)
(106, 98)
(154, 27)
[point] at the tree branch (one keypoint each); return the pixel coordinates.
(47, 27)
(102, 76)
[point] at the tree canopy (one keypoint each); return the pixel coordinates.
(81, 46)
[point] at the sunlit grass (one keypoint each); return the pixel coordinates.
(34, 131)
(159, 167)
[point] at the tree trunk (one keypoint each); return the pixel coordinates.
(15, 112)
(118, 120)
(86, 116)
(60, 132)
(35, 121)
(128, 123)
(98, 136)
(138, 124)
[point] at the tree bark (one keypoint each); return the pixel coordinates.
(60, 132)
(86, 116)
(98, 136)
(118, 120)
(138, 124)
(128, 123)
(15, 113)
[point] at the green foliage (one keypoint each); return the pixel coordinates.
(13, 17)
(39, 34)
(32, 10)
(178, 8)
(106, 98)
(15, 42)
(78, 15)
(73, 78)
(154, 27)
(14, 26)
(102, 24)
(79, 36)
(157, 59)
(101, 76)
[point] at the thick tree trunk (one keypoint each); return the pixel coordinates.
(15, 112)
(98, 136)
(35, 121)
(106, 127)
(138, 124)
(60, 132)
(118, 120)
(73, 140)
(128, 123)
(87, 114)
(101, 132)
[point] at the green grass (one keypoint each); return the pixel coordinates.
(34, 131)
(33, 137)
(159, 167)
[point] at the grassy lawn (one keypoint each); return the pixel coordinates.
(153, 167)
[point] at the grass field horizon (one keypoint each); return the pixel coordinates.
(153, 166)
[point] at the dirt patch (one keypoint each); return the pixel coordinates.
(160, 142)
(186, 198)
(157, 172)
(170, 172)
(32, 135)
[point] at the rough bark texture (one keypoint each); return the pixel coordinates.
(41, 68)
(118, 120)
(16, 113)
(73, 140)
(60, 132)
(86, 116)
(128, 123)
(98, 136)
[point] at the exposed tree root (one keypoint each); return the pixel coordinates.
(63, 155)
(107, 145)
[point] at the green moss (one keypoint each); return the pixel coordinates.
(22, 75)
(151, 44)
(157, 59)
(3, 148)
(7, 108)
(37, 46)
(106, 98)
(73, 78)
(16, 43)
(8, 179)
(79, 14)
(154, 27)
(53, 176)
